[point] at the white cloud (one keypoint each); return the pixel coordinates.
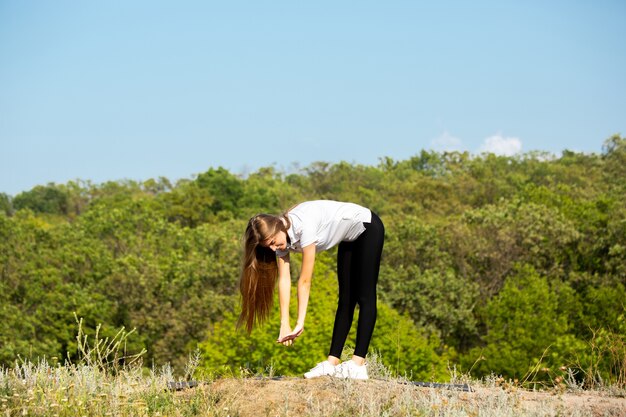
(500, 145)
(446, 142)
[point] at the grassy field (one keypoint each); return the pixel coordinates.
(98, 386)
(48, 389)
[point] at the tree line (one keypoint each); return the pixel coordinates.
(492, 264)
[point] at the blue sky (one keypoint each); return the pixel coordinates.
(140, 89)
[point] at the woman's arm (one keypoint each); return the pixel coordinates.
(284, 294)
(304, 288)
(304, 282)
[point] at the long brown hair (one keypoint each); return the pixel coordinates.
(259, 270)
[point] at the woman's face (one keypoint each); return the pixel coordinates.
(276, 242)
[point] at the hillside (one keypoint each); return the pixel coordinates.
(513, 266)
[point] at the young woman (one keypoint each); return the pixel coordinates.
(308, 228)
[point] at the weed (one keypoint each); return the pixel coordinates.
(108, 355)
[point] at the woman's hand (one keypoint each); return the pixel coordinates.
(291, 335)
(285, 331)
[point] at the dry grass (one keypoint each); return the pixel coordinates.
(46, 389)
(332, 397)
(104, 384)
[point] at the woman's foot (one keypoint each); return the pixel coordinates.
(321, 369)
(350, 370)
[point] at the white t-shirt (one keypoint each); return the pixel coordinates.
(325, 223)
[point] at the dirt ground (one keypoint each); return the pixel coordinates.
(332, 397)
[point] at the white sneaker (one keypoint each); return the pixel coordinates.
(321, 369)
(351, 370)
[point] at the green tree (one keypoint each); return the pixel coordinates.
(6, 206)
(494, 238)
(50, 199)
(225, 188)
(524, 322)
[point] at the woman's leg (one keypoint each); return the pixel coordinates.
(358, 264)
(346, 303)
(366, 265)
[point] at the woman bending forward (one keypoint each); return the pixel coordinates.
(308, 228)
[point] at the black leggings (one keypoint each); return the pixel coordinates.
(358, 264)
